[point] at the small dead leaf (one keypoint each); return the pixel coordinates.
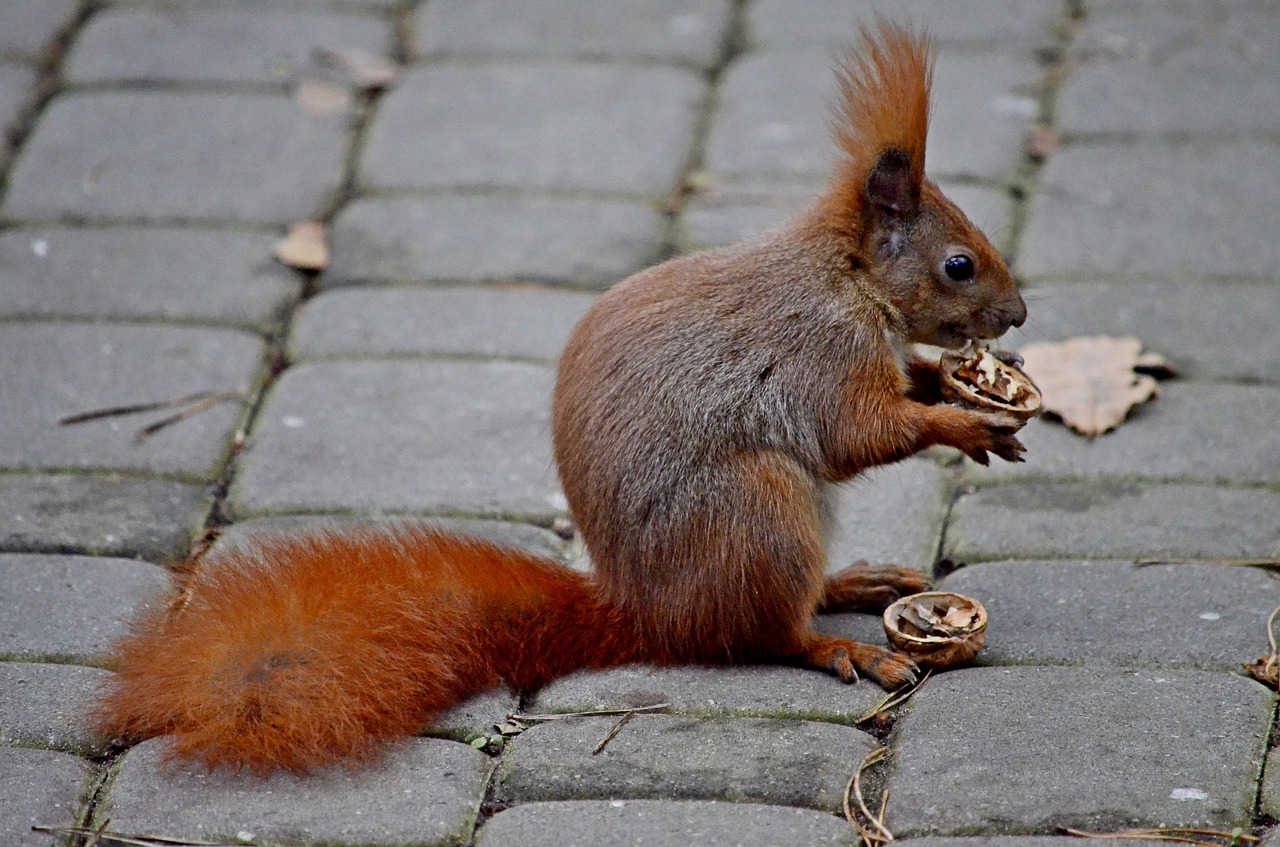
(1090, 383)
(366, 71)
(305, 248)
(958, 618)
(321, 98)
(1042, 142)
(1265, 670)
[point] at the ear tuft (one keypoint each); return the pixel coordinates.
(881, 123)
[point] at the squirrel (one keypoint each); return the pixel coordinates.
(703, 410)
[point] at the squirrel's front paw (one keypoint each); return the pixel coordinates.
(998, 434)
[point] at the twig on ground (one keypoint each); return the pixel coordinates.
(1244, 563)
(132, 840)
(190, 405)
(1175, 834)
(617, 727)
(874, 832)
(893, 698)
(517, 722)
(594, 713)
(97, 833)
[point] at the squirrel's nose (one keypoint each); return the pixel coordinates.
(1017, 310)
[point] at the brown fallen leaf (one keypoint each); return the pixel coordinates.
(321, 98)
(1042, 142)
(1267, 669)
(1090, 383)
(367, 71)
(305, 248)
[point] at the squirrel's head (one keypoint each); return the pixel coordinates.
(927, 259)
(906, 239)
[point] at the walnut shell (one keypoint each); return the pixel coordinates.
(937, 630)
(979, 380)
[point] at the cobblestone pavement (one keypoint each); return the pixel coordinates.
(530, 154)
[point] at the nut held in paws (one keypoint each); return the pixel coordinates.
(975, 378)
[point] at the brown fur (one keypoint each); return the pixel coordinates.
(884, 104)
(703, 409)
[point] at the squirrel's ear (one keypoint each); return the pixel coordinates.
(893, 198)
(890, 188)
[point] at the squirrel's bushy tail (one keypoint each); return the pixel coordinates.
(321, 648)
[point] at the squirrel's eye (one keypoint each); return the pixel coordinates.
(959, 268)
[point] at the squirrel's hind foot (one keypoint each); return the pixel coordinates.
(846, 659)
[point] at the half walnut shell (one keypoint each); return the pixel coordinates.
(973, 377)
(937, 630)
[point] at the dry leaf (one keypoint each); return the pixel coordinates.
(1089, 383)
(366, 71)
(1265, 670)
(305, 247)
(321, 98)
(1043, 142)
(958, 618)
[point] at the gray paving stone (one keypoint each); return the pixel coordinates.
(27, 29)
(426, 792)
(999, 750)
(773, 111)
(686, 31)
(1117, 613)
(1004, 24)
(1154, 66)
(1218, 329)
(1203, 209)
(771, 117)
(541, 124)
(167, 273)
(757, 691)
(792, 763)
(475, 716)
(891, 515)
(983, 106)
(1269, 794)
(508, 322)
(54, 370)
(1113, 519)
(129, 154)
(70, 607)
(164, 43)
(17, 86)
(717, 219)
(485, 238)
(39, 788)
(100, 515)
(454, 437)
(46, 706)
(661, 823)
(1193, 431)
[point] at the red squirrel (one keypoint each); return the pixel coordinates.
(703, 409)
